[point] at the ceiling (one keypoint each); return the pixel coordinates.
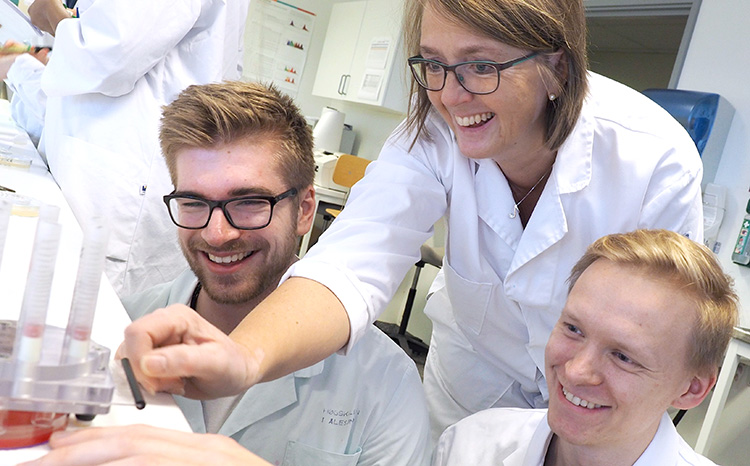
(641, 50)
(636, 34)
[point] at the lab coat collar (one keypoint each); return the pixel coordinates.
(662, 450)
(495, 201)
(546, 226)
(264, 399)
(536, 451)
(571, 173)
(257, 403)
(664, 447)
(573, 165)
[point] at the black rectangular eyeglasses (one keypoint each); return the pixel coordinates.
(477, 77)
(244, 213)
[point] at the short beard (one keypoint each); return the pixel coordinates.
(260, 283)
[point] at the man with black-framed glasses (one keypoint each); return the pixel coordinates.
(241, 161)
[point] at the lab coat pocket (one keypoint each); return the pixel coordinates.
(469, 300)
(299, 454)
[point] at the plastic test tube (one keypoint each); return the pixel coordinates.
(90, 268)
(49, 213)
(31, 323)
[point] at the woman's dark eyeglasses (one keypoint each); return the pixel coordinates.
(477, 77)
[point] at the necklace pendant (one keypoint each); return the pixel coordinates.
(515, 207)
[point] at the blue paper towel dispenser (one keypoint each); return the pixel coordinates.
(705, 116)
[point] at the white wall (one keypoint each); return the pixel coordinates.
(717, 61)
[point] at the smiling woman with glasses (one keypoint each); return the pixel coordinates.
(243, 213)
(529, 158)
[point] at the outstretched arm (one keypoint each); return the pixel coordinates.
(299, 324)
(176, 351)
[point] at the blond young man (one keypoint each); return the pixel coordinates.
(645, 326)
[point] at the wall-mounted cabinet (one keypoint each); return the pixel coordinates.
(362, 59)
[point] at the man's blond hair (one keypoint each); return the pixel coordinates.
(692, 268)
(209, 115)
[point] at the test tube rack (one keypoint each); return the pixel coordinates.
(84, 388)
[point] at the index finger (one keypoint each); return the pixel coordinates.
(164, 327)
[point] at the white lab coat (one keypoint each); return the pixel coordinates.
(627, 165)
(520, 437)
(366, 408)
(109, 74)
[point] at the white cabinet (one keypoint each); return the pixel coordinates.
(362, 59)
(338, 49)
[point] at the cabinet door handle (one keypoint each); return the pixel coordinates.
(342, 80)
(345, 89)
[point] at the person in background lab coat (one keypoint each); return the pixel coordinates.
(246, 148)
(529, 158)
(95, 109)
(611, 372)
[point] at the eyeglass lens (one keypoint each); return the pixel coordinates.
(478, 78)
(243, 213)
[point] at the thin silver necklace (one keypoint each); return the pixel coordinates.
(515, 206)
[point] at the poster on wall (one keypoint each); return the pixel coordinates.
(277, 39)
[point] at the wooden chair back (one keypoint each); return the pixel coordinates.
(349, 169)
